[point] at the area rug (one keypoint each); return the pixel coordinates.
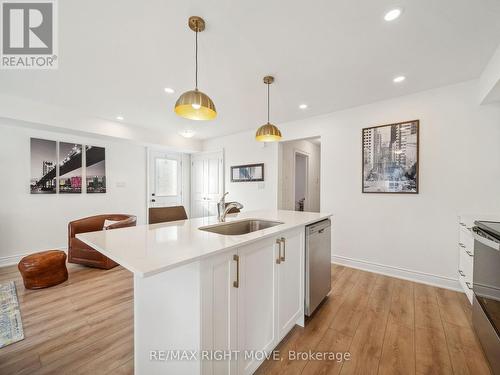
(11, 326)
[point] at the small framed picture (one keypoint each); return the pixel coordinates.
(390, 158)
(247, 173)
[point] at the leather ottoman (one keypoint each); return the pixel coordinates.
(44, 269)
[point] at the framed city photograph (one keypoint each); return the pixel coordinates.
(70, 168)
(390, 158)
(95, 162)
(247, 173)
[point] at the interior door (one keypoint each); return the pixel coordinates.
(207, 176)
(165, 179)
(256, 303)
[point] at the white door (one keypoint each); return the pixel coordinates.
(165, 179)
(219, 312)
(207, 176)
(256, 302)
(290, 283)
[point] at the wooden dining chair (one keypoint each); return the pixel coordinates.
(165, 214)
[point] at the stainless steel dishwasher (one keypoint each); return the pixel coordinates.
(318, 264)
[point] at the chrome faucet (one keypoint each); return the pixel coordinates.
(222, 209)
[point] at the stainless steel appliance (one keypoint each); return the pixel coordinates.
(486, 287)
(318, 264)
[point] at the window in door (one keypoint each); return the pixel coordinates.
(166, 177)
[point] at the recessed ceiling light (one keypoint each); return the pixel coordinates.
(393, 14)
(303, 106)
(187, 133)
(399, 79)
(119, 118)
(168, 90)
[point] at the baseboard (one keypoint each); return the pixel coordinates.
(14, 259)
(400, 273)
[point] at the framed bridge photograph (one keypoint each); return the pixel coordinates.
(43, 166)
(70, 168)
(390, 158)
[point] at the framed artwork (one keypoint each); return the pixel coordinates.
(95, 162)
(43, 166)
(70, 168)
(390, 158)
(247, 173)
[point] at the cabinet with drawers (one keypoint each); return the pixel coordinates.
(465, 245)
(466, 254)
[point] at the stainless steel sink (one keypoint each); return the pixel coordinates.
(240, 227)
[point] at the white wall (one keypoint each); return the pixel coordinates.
(287, 172)
(489, 82)
(30, 222)
(241, 149)
(410, 235)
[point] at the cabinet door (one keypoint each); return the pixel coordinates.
(256, 303)
(219, 312)
(290, 276)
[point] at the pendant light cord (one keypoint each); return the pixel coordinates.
(268, 103)
(196, 59)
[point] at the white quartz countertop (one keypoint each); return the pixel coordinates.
(146, 250)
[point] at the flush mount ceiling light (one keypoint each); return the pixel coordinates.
(303, 106)
(187, 133)
(268, 132)
(168, 90)
(399, 79)
(119, 118)
(393, 14)
(194, 104)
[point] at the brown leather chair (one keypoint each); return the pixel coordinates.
(165, 214)
(81, 253)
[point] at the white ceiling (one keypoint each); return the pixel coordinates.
(116, 56)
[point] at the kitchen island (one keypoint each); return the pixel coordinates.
(211, 303)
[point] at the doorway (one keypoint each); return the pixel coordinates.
(299, 164)
(301, 178)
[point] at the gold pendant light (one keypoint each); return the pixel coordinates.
(268, 132)
(194, 104)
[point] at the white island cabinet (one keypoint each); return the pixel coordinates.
(211, 304)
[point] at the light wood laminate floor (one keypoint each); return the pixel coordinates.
(389, 326)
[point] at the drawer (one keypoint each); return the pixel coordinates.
(466, 286)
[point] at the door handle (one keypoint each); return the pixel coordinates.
(236, 283)
(283, 240)
(278, 242)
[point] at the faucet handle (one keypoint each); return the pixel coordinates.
(224, 195)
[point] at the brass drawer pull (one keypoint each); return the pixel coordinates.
(236, 283)
(283, 240)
